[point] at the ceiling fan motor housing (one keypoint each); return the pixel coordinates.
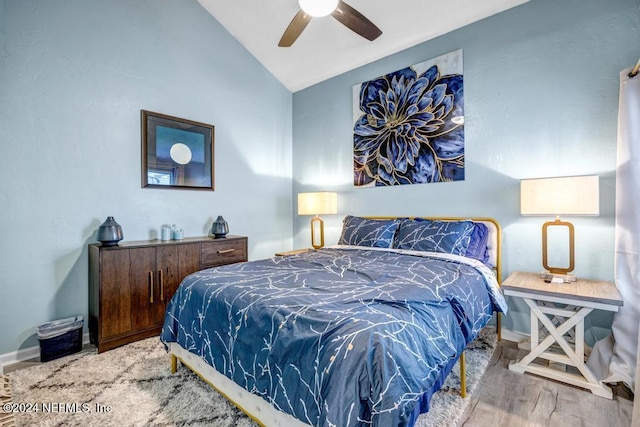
(318, 8)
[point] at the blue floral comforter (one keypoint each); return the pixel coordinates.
(339, 336)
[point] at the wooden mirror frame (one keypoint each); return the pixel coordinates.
(197, 173)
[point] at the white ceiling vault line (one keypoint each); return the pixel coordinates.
(326, 48)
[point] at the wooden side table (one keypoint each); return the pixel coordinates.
(293, 252)
(561, 308)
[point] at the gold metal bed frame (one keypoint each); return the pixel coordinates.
(259, 409)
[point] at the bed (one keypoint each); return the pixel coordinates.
(360, 333)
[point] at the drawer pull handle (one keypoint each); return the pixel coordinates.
(226, 251)
(151, 287)
(161, 285)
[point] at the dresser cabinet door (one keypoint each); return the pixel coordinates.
(147, 308)
(115, 293)
(167, 273)
(188, 262)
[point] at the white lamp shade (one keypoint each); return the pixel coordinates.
(318, 8)
(572, 195)
(320, 203)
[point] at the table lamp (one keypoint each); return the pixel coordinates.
(572, 195)
(318, 203)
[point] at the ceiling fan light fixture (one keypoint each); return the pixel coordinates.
(318, 8)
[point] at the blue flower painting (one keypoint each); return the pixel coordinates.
(409, 125)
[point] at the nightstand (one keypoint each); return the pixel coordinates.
(293, 252)
(561, 309)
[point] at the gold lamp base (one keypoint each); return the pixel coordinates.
(545, 263)
(316, 220)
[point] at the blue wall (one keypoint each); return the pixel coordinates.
(74, 75)
(541, 99)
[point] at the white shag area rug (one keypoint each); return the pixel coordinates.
(133, 386)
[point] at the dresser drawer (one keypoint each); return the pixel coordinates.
(223, 251)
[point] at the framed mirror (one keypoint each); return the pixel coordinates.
(176, 153)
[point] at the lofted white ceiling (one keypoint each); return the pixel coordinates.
(327, 48)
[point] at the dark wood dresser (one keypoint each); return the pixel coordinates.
(130, 285)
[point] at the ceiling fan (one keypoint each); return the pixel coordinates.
(341, 11)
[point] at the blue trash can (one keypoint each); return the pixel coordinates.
(60, 338)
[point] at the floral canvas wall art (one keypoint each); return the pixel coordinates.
(409, 125)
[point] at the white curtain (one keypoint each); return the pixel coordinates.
(614, 358)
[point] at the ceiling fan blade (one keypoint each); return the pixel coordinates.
(295, 28)
(356, 21)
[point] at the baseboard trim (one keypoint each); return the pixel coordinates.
(509, 335)
(26, 354)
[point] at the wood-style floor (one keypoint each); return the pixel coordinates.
(508, 399)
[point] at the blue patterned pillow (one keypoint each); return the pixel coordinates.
(478, 243)
(374, 233)
(451, 237)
